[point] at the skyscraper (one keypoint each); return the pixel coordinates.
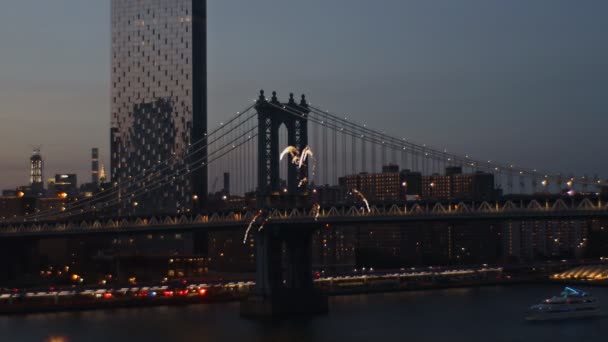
(159, 98)
(36, 165)
(95, 166)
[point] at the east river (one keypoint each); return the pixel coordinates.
(471, 314)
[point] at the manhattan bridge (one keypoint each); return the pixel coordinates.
(279, 153)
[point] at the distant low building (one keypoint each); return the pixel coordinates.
(384, 186)
(66, 183)
(329, 195)
(456, 185)
(411, 184)
(21, 205)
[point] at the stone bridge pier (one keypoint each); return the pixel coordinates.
(284, 284)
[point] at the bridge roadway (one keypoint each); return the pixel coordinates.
(299, 218)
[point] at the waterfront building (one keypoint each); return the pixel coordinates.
(532, 240)
(456, 185)
(159, 99)
(334, 248)
(411, 184)
(383, 186)
(229, 253)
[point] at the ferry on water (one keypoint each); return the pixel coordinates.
(571, 304)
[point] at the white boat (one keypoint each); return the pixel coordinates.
(571, 304)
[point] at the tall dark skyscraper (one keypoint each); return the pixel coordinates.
(159, 97)
(95, 166)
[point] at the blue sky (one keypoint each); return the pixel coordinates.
(519, 81)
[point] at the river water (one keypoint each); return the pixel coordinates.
(472, 314)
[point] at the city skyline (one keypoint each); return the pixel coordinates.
(302, 159)
(437, 90)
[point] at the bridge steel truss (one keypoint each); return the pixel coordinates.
(235, 220)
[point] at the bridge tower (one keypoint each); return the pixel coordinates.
(284, 283)
(271, 115)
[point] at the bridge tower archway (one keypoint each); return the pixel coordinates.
(272, 114)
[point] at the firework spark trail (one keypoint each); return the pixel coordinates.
(263, 224)
(300, 159)
(362, 197)
(251, 225)
(291, 151)
(306, 152)
(313, 170)
(316, 208)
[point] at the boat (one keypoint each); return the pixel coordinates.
(571, 304)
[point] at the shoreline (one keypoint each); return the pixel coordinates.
(33, 308)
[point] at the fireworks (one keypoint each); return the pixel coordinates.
(258, 214)
(263, 224)
(292, 151)
(300, 159)
(297, 158)
(316, 209)
(306, 153)
(362, 198)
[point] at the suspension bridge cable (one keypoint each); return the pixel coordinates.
(206, 160)
(158, 173)
(148, 172)
(464, 160)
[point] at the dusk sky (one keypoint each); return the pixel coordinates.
(518, 81)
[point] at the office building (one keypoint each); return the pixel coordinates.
(159, 99)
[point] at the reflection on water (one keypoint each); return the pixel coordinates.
(57, 339)
(472, 314)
